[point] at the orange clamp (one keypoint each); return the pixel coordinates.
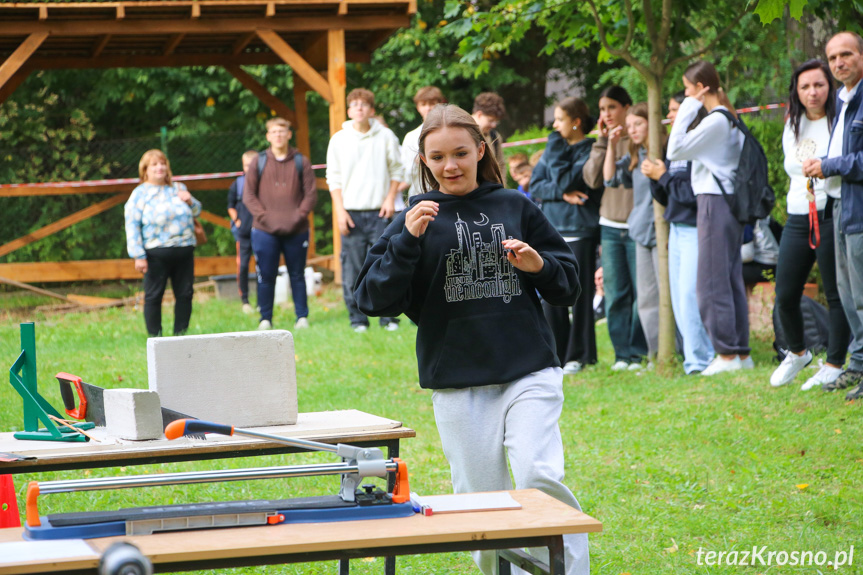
(402, 489)
(32, 505)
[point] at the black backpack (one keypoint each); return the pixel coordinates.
(298, 162)
(753, 197)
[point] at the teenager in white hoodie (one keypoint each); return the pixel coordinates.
(363, 173)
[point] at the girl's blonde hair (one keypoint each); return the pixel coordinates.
(148, 158)
(451, 116)
(640, 110)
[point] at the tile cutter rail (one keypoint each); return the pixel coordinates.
(353, 502)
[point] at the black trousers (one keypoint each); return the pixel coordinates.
(244, 258)
(576, 340)
(795, 263)
(178, 265)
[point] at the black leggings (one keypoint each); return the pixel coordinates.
(795, 261)
(178, 264)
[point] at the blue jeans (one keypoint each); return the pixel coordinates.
(268, 248)
(621, 301)
(683, 275)
(849, 280)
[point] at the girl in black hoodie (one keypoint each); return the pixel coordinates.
(465, 263)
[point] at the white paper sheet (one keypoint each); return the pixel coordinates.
(470, 502)
(23, 551)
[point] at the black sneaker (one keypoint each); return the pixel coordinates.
(856, 393)
(849, 378)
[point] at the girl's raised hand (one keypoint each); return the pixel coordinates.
(522, 256)
(653, 169)
(615, 134)
(602, 128)
(701, 93)
(418, 217)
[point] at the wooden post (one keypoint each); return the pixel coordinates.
(14, 62)
(337, 78)
(303, 140)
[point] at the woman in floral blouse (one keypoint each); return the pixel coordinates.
(160, 237)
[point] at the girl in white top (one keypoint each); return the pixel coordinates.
(811, 109)
(714, 145)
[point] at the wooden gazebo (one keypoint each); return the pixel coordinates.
(316, 38)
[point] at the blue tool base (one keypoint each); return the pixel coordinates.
(47, 531)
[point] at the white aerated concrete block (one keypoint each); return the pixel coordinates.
(244, 379)
(133, 414)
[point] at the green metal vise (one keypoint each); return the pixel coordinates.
(22, 376)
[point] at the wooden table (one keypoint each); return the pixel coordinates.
(348, 426)
(541, 522)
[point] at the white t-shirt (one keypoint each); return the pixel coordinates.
(812, 143)
(410, 159)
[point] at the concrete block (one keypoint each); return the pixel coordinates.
(245, 379)
(133, 414)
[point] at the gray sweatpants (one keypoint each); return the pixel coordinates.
(480, 426)
(647, 285)
(849, 280)
(719, 287)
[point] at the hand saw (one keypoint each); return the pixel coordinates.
(91, 402)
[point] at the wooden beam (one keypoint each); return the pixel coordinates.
(172, 61)
(40, 291)
(43, 12)
(297, 63)
(261, 92)
(121, 12)
(172, 44)
(343, 8)
(337, 78)
(14, 82)
(242, 42)
(215, 220)
(28, 190)
(99, 45)
(315, 51)
(143, 27)
(63, 223)
(90, 270)
(377, 39)
(304, 144)
(196, 10)
(271, 9)
(14, 62)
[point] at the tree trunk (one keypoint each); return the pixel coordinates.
(667, 330)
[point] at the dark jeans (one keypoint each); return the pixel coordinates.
(368, 227)
(178, 265)
(719, 286)
(849, 281)
(795, 263)
(268, 248)
(621, 301)
(576, 340)
(244, 257)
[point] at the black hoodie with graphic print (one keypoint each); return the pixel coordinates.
(479, 318)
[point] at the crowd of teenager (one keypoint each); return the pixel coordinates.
(501, 283)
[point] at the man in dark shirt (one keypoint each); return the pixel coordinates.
(241, 228)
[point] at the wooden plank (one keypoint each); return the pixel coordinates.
(242, 42)
(89, 270)
(28, 190)
(121, 11)
(14, 82)
(99, 46)
(215, 220)
(172, 44)
(14, 62)
(337, 77)
(261, 92)
(94, 300)
(297, 63)
(43, 12)
(137, 27)
(160, 61)
(28, 287)
(196, 10)
(271, 9)
(63, 223)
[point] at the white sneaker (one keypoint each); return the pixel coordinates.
(572, 367)
(265, 325)
(634, 367)
(789, 368)
(392, 326)
(719, 365)
(747, 363)
(619, 366)
(361, 328)
(247, 309)
(302, 323)
(824, 375)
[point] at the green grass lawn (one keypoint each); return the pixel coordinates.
(670, 465)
